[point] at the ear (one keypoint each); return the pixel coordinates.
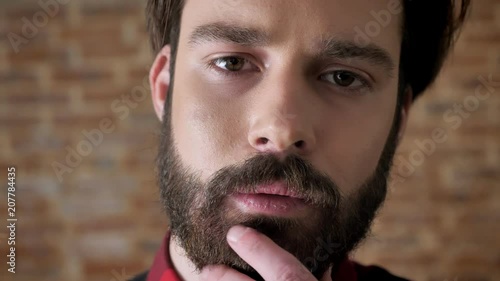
(405, 108)
(159, 79)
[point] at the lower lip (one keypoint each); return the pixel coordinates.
(269, 204)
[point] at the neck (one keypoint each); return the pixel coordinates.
(187, 271)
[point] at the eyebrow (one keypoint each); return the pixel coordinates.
(254, 37)
(343, 49)
(214, 32)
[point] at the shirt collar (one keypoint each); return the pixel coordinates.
(163, 268)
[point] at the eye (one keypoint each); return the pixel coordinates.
(232, 64)
(344, 79)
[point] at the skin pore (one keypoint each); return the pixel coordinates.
(296, 88)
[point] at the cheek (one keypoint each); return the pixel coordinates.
(353, 144)
(365, 152)
(206, 129)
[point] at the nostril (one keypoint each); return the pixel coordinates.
(262, 141)
(299, 144)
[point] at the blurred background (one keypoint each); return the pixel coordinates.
(77, 123)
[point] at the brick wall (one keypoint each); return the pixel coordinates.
(77, 74)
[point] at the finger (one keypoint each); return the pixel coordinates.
(221, 273)
(270, 260)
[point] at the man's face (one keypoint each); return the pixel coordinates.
(280, 92)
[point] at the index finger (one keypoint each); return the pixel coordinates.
(270, 260)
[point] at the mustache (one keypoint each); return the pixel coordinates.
(300, 176)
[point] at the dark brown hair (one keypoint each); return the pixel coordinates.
(429, 31)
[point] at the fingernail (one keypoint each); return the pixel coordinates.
(236, 232)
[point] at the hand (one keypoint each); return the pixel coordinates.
(271, 261)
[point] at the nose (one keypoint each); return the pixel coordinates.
(281, 122)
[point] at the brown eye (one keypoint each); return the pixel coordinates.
(230, 63)
(343, 79)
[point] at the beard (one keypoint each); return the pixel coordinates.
(199, 216)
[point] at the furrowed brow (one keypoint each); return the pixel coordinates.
(221, 32)
(349, 50)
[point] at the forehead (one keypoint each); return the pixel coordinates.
(303, 22)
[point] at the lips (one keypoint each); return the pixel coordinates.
(277, 188)
(271, 199)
